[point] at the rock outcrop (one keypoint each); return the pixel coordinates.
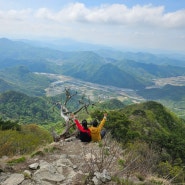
(65, 164)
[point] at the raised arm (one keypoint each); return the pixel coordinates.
(103, 121)
(80, 127)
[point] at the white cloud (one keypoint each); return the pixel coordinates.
(175, 19)
(116, 14)
(119, 14)
(73, 12)
(139, 26)
(15, 14)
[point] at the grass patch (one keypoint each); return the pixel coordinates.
(38, 153)
(17, 161)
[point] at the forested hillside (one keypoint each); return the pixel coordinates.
(25, 109)
(152, 123)
(146, 72)
(21, 79)
(18, 106)
(144, 129)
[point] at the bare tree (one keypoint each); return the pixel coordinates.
(65, 113)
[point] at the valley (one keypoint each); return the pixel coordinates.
(94, 91)
(176, 81)
(97, 92)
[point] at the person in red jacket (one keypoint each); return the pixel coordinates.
(85, 134)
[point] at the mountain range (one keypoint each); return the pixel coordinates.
(148, 129)
(106, 67)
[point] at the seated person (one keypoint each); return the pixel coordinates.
(96, 130)
(85, 135)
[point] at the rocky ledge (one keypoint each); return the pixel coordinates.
(67, 164)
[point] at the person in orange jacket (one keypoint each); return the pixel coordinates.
(96, 130)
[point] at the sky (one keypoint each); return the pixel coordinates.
(137, 24)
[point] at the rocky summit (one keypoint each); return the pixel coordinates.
(66, 162)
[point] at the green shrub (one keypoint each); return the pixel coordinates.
(175, 173)
(22, 142)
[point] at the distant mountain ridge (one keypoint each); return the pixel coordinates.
(134, 70)
(144, 57)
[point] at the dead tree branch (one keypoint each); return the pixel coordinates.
(65, 113)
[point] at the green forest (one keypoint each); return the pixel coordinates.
(143, 127)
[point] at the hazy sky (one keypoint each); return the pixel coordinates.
(142, 24)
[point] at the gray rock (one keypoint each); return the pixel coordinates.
(14, 179)
(34, 166)
(70, 139)
(48, 176)
(100, 178)
(105, 176)
(4, 176)
(48, 172)
(96, 181)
